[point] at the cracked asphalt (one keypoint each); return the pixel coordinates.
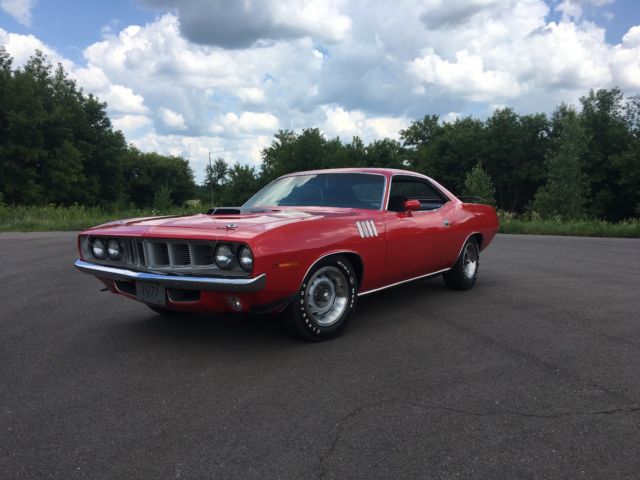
(535, 373)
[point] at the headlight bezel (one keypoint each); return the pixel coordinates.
(230, 255)
(99, 243)
(118, 254)
(243, 249)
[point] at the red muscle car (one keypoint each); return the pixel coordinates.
(309, 242)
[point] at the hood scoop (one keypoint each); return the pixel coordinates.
(235, 211)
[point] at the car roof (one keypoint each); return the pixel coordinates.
(380, 171)
(387, 172)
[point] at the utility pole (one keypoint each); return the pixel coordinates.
(211, 178)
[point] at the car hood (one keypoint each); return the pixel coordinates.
(240, 226)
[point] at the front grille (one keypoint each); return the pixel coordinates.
(134, 252)
(178, 254)
(202, 254)
(175, 256)
(159, 254)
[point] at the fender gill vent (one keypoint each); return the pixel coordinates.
(367, 229)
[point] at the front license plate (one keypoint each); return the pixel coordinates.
(152, 293)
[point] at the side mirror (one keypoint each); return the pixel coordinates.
(412, 205)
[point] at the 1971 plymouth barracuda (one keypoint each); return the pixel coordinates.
(309, 242)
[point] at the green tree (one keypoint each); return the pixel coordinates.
(162, 201)
(513, 153)
(214, 179)
(445, 152)
(146, 172)
(355, 153)
(243, 183)
(609, 137)
(565, 193)
(477, 183)
(384, 153)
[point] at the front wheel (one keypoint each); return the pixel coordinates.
(325, 300)
(464, 273)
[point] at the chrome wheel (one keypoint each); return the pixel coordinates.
(470, 260)
(326, 295)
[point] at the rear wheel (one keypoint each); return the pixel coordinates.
(322, 306)
(464, 273)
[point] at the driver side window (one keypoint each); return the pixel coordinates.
(405, 188)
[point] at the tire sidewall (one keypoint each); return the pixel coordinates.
(470, 282)
(301, 317)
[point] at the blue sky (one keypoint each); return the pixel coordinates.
(189, 77)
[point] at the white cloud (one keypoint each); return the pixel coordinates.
(21, 47)
(451, 117)
(123, 99)
(131, 125)
(258, 122)
(466, 77)
(347, 124)
(20, 10)
(251, 95)
(171, 119)
(573, 9)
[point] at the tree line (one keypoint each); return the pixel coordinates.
(58, 146)
(571, 164)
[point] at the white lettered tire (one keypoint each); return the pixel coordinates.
(323, 304)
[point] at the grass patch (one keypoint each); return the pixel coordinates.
(51, 218)
(579, 228)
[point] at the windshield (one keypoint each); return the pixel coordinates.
(347, 190)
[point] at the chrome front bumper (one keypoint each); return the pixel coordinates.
(210, 284)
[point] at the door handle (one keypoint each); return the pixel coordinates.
(446, 222)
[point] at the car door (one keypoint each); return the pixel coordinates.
(415, 240)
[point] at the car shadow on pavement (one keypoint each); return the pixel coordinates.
(372, 316)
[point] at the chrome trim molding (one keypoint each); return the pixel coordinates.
(321, 257)
(433, 274)
(210, 284)
(464, 243)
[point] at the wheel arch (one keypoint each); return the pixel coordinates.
(478, 237)
(354, 259)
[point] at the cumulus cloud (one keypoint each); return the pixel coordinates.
(21, 47)
(512, 54)
(236, 24)
(171, 119)
(339, 122)
(132, 125)
(20, 10)
(122, 99)
(575, 8)
(467, 76)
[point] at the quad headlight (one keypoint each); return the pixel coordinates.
(114, 250)
(245, 258)
(98, 249)
(224, 256)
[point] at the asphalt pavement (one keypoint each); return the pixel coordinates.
(535, 373)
